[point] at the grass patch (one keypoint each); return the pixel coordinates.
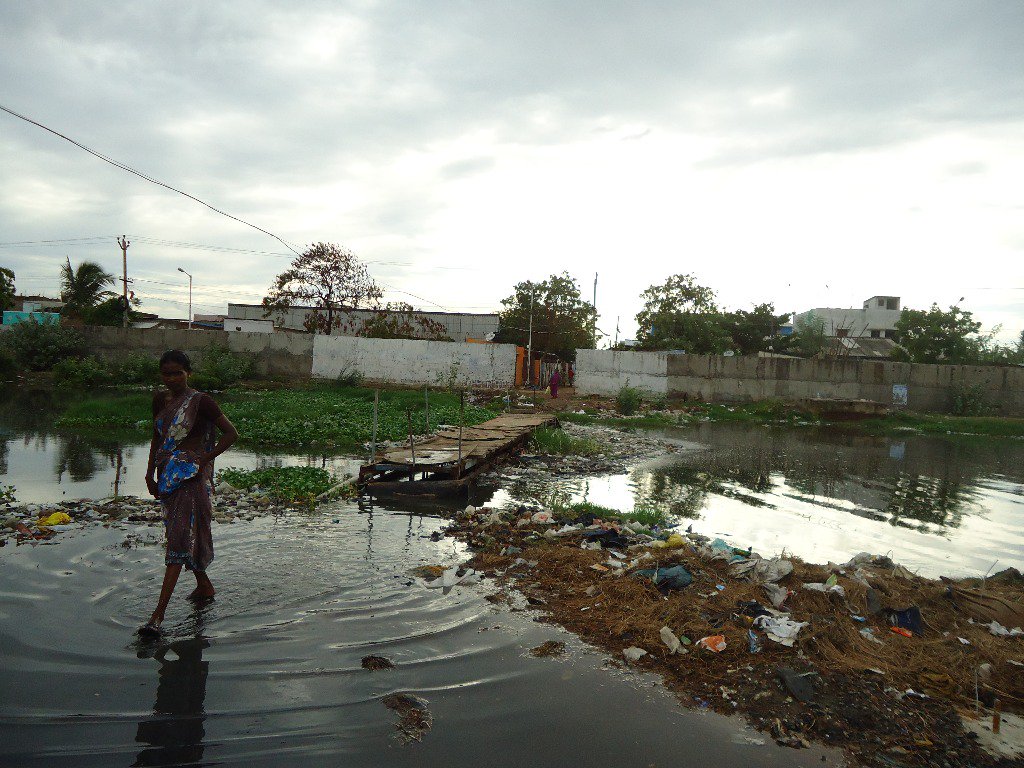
(558, 441)
(323, 415)
(287, 485)
(558, 503)
(936, 424)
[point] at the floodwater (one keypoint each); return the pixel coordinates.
(939, 505)
(269, 674)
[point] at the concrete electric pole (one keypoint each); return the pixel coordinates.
(124, 243)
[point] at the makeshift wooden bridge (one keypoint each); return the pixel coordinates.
(446, 463)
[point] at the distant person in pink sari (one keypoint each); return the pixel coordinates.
(556, 379)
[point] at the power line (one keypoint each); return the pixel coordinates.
(142, 175)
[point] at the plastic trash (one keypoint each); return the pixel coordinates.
(901, 631)
(57, 518)
(873, 601)
(714, 643)
(668, 637)
(780, 629)
(799, 685)
(543, 517)
(674, 541)
(776, 595)
(757, 569)
(997, 629)
(753, 641)
(836, 589)
(676, 577)
(908, 618)
(607, 537)
(633, 653)
(869, 634)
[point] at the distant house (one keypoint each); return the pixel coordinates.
(36, 304)
(875, 320)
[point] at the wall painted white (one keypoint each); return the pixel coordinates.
(414, 362)
(235, 325)
(857, 322)
(604, 372)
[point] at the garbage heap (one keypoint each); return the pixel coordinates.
(865, 655)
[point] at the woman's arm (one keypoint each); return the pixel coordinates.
(228, 435)
(154, 444)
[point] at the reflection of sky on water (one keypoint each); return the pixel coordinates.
(940, 505)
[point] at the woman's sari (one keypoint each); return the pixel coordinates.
(185, 492)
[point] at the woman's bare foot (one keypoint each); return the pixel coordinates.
(204, 589)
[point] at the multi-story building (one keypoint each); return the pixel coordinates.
(876, 319)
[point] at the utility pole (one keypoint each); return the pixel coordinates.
(616, 330)
(594, 331)
(189, 296)
(124, 243)
(529, 347)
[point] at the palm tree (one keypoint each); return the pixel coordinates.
(85, 287)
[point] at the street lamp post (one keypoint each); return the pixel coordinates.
(189, 297)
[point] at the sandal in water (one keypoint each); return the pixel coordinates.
(149, 629)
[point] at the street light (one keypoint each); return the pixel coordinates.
(189, 297)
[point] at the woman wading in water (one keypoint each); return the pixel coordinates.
(180, 474)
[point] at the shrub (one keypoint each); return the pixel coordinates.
(39, 346)
(81, 372)
(137, 368)
(349, 377)
(219, 368)
(8, 364)
(969, 400)
(558, 441)
(7, 494)
(628, 400)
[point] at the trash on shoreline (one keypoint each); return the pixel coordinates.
(676, 577)
(633, 653)
(780, 629)
(669, 638)
(714, 643)
(374, 663)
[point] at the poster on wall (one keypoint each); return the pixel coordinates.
(899, 394)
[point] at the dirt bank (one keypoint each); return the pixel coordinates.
(847, 680)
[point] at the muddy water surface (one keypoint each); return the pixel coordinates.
(270, 674)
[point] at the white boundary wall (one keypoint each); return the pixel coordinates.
(415, 362)
(604, 372)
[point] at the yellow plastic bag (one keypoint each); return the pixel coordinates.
(675, 540)
(57, 518)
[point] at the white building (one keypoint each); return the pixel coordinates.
(876, 319)
(458, 326)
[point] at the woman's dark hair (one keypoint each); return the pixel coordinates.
(176, 356)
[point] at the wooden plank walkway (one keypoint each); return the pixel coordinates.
(445, 464)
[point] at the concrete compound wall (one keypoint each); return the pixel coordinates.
(284, 355)
(415, 362)
(604, 372)
(739, 379)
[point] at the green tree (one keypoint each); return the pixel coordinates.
(327, 277)
(755, 331)
(83, 288)
(110, 311)
(937, 336)
(6, 289)
(808, 337)
(562, 320)
(681, 314)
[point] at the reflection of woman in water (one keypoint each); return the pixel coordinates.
(175, 732)
(180, 474)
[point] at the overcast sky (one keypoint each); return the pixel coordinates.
(805, 153)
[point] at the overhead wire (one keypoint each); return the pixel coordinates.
(146, 177)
